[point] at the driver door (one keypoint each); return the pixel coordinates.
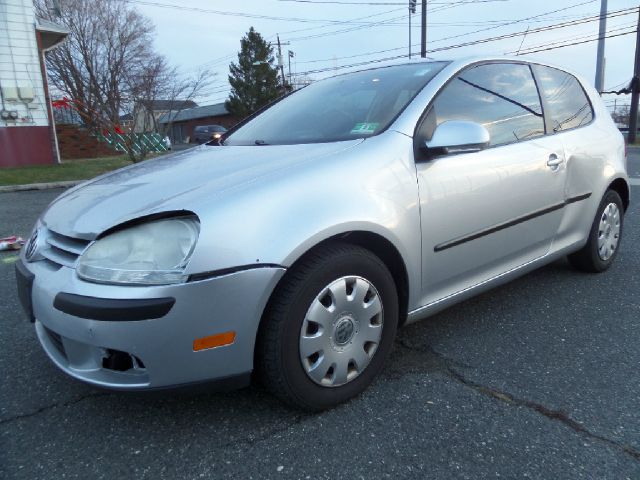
(488, 212)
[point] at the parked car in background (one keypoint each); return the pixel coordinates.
(206, 133)
(299, 244)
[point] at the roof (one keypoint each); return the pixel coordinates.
(216, 110)
(156, 105)
(52, 33)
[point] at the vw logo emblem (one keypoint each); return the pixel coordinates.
(344, 331)
(32, 246)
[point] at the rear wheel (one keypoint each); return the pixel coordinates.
(329, 327)
(604, 238)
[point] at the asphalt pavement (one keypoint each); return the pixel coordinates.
(535, 379)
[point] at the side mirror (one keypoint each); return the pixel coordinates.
(458, 136)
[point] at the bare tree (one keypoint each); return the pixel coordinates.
(108, 65)
(160, 81)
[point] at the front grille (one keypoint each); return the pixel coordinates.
(56, 341)
(63, 250)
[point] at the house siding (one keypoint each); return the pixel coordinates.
(26, 140)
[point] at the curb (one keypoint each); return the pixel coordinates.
(39, 186)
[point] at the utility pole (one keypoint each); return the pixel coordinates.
(291, 55)
(602, 31)
(409, 33)
(280, 63)
(635, 89)
(412, 9)
(423, 30)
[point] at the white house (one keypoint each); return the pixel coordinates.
(27, 133)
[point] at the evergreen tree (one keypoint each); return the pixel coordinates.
(254, 79)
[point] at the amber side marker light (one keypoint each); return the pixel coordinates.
(213, 341)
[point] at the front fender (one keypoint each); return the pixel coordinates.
(371, 187)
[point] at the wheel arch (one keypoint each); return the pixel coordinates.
(380, 246)
(621, 187)
(391, 257)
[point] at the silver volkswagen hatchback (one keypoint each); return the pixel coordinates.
(295, 247)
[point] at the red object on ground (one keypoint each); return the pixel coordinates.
(11, 243)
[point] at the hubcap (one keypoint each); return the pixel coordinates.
(608, 231)
(341, 331)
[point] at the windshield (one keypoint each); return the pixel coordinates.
(350, 106)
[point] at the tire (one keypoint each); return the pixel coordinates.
(604, 237)
(363, 328)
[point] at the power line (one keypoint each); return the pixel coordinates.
(526, 51)
(381, 22)
(449, 5)
(507, 23)
(515, 22)
(339, 2)
(233, 14)
(577, 43)
(365, 54)
(471, 43)
(346, 30)
(345, 22)
(228, 57)
(384, 22)
(621, 84)
(441, 7)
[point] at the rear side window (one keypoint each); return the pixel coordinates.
(200, 129)
(566, 102)
(502, 97)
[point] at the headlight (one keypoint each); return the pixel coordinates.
(153, 253)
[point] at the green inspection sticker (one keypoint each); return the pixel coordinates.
(367, 128)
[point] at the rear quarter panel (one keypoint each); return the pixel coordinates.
(595, 157)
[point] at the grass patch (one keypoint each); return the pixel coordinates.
(67, 170)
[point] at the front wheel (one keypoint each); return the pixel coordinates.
(329, 327)
(604, 238)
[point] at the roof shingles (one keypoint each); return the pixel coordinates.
(194, 113)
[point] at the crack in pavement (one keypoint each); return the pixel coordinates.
(249, 442)
(46, 408)
(244, 442)
(414, 360)
(509, 399)
(439, 363)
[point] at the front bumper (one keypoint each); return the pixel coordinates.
(160, 351)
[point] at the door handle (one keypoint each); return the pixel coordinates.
(554, 161)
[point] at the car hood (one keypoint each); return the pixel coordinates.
(176, 182)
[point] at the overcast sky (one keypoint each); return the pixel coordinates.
(328, 34)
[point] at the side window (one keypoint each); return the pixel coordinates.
(502, 97)
(566, 101)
